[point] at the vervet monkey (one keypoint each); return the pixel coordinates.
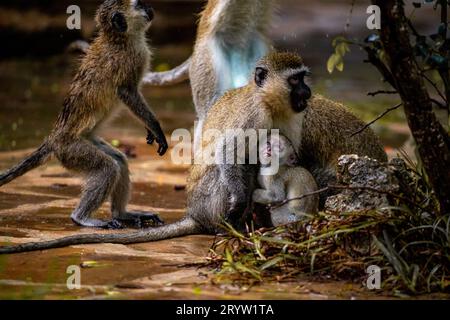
(319, 129)
(231, 38)
(109, 74)
(289, 182)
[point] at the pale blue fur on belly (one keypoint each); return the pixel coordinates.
(234, 65)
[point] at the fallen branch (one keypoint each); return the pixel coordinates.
(376, 119)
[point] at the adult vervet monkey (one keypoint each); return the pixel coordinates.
(232, 36)
(109, 75)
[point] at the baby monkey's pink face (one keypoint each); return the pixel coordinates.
(279, 147)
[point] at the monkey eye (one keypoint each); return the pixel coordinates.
(260, 76)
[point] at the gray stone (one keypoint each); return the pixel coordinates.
(363, 172)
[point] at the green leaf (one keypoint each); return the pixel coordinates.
(240, 267)
(338, 39)
(342, 48)
(271, 263)
(382, 56)
(332, 61)
(228, 256)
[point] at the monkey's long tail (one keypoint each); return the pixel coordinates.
(171, 77)
(184, 227)
(34, 160)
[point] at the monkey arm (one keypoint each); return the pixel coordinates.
(79, 46)
(171, 77)
(136, 103)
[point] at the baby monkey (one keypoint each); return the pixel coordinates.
(290, 181)
(110, 74)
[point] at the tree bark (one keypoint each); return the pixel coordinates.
(432, 140)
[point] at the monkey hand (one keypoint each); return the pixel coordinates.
(163, 146)
(160, 140)
(150, 137)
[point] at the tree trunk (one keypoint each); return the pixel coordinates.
(432, 139)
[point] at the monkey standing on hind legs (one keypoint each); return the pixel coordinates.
(278, 98)
(110, 73)
(232, 36)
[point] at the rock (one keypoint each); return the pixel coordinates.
(363, 172)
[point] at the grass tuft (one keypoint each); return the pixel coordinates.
(410, 245)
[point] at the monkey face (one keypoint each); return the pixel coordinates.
(279, 147)
(122, 16)
(281, 77)
(141, 9)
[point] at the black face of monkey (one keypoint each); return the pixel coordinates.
(260, 76)
(119, 16)
(141, 5)
(300, 92)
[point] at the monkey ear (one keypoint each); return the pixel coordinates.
(119, 22)
(293, 161)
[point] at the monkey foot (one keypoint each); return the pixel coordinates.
(140, 219)
(96, 223)
(114, 225)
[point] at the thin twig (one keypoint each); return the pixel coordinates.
(373, 94)
(434, 86)
(276, 205)
(382, 68)
(376, 119)
(439, 104)
(340, 187)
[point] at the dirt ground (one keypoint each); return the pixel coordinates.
(37, 207)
